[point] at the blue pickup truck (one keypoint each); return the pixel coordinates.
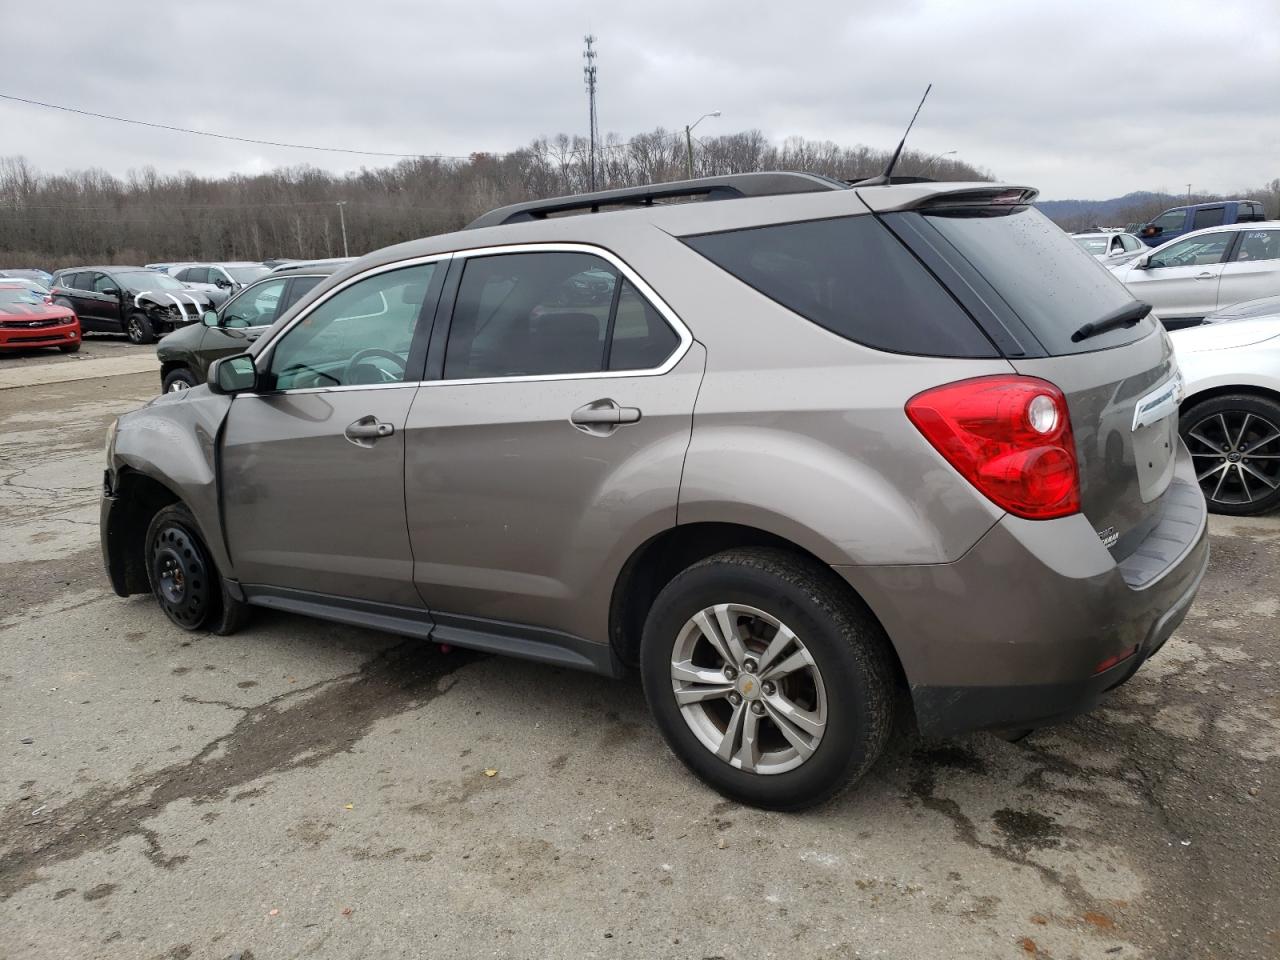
(1179, 220)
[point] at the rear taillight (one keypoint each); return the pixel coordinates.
(1010, 437)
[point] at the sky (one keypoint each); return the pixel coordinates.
(1080, 99)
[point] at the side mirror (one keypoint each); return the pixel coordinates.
(1142, 263)
(110, 292)
(230, 375)
(210, 318)
(222, 282)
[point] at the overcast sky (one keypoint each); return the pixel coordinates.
(1080, 99)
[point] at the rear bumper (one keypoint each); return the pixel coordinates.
(1013, 634)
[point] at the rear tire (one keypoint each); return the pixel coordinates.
(839, 690)
(183, 577)
(1224, 435)
(138, 328)
(178, 380)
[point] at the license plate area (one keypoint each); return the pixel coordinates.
(1155, 437)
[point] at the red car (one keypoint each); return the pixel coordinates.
(29, 320)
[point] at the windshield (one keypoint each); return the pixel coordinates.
(1046, 279)
(246, 274)
(149, 280)
(1094, 245)
(10, 296)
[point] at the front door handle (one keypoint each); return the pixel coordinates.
(367, 429)
(1204, 276)
(602, 417)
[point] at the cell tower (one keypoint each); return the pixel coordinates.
(589, 74)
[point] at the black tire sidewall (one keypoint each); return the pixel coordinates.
(851, 740)
(1259, 406)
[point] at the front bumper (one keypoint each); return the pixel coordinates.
(1012, 635)
(51, 336)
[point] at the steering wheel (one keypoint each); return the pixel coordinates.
(348, 372)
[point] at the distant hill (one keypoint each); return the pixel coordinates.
(1108, 213)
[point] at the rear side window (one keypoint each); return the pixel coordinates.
(1170, 219)
(1209, 217)
(1259, 245)
(1050, 283)
(851, 276)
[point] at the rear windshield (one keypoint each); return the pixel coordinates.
(853, 277)
(1049, 282)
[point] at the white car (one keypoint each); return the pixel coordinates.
(1230, 419)
(1198, 273)
(1110, 247)
(219, 280)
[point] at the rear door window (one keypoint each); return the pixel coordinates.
(851, 276)
(1170, 220)
(1052, 285)
(551, 314)
(1259, 245)
(1209, 217)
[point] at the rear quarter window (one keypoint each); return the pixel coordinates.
(851, 276)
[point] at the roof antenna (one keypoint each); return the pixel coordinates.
(886, 177)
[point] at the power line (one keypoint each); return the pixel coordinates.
(227, 136)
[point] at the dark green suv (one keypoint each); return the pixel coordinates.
(186, 353)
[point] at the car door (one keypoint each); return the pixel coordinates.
(240, 322)
(1181, 280)
(109, 295)
(70, 289)
(313, 460)
(1253, 270)
(548, 440)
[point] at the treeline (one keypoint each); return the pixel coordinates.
(53, 220)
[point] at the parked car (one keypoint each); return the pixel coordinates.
(42, 277)
(136, 301)
(218, 280)
(824, 446)
(34, 286)
(1231, 416)
(1191, 277)
(1110, 247)
(1197, 216)
(27, 320)
(185, 354)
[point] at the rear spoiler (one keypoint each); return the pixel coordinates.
(936, 196)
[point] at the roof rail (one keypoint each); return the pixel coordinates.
(727, 187)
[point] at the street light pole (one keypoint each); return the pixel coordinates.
(342, 217)
(688, 141)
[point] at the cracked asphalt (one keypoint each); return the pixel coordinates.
(303, 789)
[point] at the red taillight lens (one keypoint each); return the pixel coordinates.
(1010, 437)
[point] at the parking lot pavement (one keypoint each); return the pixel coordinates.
(303, 789)
(95, 346)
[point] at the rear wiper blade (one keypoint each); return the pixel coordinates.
(1124, 317)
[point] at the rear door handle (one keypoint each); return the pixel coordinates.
(367, 429)
(602, 417)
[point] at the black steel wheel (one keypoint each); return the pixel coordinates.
(1235, 445)
(183, 579)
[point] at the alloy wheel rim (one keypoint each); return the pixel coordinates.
(748, 689)
(1237, 457)
(135, 329)
(179, 572)
(177, 386)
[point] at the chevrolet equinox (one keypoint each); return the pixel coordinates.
(791, 448)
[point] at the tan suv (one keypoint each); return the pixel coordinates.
(791, 451)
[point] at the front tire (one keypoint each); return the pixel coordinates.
(70, 347)
(183, 577)
(178, 380)
(768, 680)
(1235, 445)
(138, 328)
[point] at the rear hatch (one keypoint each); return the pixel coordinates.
(1031, 288)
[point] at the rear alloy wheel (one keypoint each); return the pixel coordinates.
(138, 327)
(1235, 445)
(768, 679)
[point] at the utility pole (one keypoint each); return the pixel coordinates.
(1188, 193)
(343, 218)
(589, 75)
